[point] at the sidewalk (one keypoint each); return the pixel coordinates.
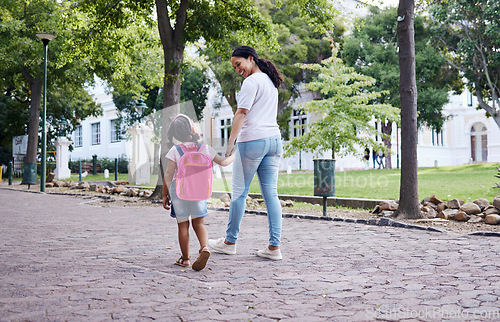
(64, 259)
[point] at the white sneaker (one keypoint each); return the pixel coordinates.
(218, 246)
(271, 254)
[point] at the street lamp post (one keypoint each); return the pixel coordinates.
(45, 38)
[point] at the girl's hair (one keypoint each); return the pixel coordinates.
(265, 65)
(182, 130)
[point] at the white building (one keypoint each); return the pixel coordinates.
(467, 136)
(99, 135)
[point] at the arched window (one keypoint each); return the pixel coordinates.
(478, 142)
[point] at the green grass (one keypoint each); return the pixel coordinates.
(466, 182)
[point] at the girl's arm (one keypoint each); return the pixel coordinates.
(167, 180)
(238, 121)
(224, 161)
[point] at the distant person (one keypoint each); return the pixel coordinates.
(380, 160)
(366, 157)
(182, 129)
(374, 158)
(258, 149)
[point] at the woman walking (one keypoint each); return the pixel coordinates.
(255, 138)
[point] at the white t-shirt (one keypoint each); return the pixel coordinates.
(260, 97)
(174, 155)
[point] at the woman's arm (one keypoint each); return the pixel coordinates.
(167, 180)
(224, 161)
(238, 121)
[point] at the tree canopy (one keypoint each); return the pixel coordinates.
(468, 33)
(372, 49)
(345, 112)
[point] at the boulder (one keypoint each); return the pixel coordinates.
(430, 205)
(474, 219)
(375, 210)
(492, 219)
(426, 199)
(147, 193)
(441, 207)
(431, 213)
(447, 213)
(461, 216)
(288, 203)
(225, 198)
(496, 202)
(453, 204)
(482, 203)
(118, 189)
(50, 177)
(83, 185)
(387, 213)
(58, 183)
(491, 211)
(388, 205)
(435, 200)
(93, 187)
(470, 208)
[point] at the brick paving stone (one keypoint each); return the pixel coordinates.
(63, 258)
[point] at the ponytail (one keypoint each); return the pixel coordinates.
(265, 65)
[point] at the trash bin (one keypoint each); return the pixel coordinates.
(324, 177)
(29, 174)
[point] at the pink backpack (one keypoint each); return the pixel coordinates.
(194, 174)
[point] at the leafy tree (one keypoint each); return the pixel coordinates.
(345, 112)
(21, 76)
(408, 191)
(372, 49)
(467, 31)
(182, 21)
(124, 57)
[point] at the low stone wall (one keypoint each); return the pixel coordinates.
(352, 203)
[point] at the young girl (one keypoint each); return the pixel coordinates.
(183, 130)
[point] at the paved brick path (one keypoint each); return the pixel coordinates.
(62, 258)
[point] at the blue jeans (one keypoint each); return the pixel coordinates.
(261, 156)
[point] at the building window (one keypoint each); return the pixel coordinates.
(437, 138)
(299, 122)
(96, 133)
(116, 131)
(78, 136)
(469, 98)
(225, 130)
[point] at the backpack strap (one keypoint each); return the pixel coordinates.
(180, 150)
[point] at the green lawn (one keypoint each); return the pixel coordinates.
(467, 182)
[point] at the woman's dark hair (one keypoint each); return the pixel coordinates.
(265, 65)
(182, 130)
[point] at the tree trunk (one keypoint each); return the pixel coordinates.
(34, 120)
(408, 194)
(173, 51)
(387, 129)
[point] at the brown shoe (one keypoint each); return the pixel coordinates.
(201, 262)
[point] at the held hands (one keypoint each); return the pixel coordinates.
(166, 202)
(230, 148)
